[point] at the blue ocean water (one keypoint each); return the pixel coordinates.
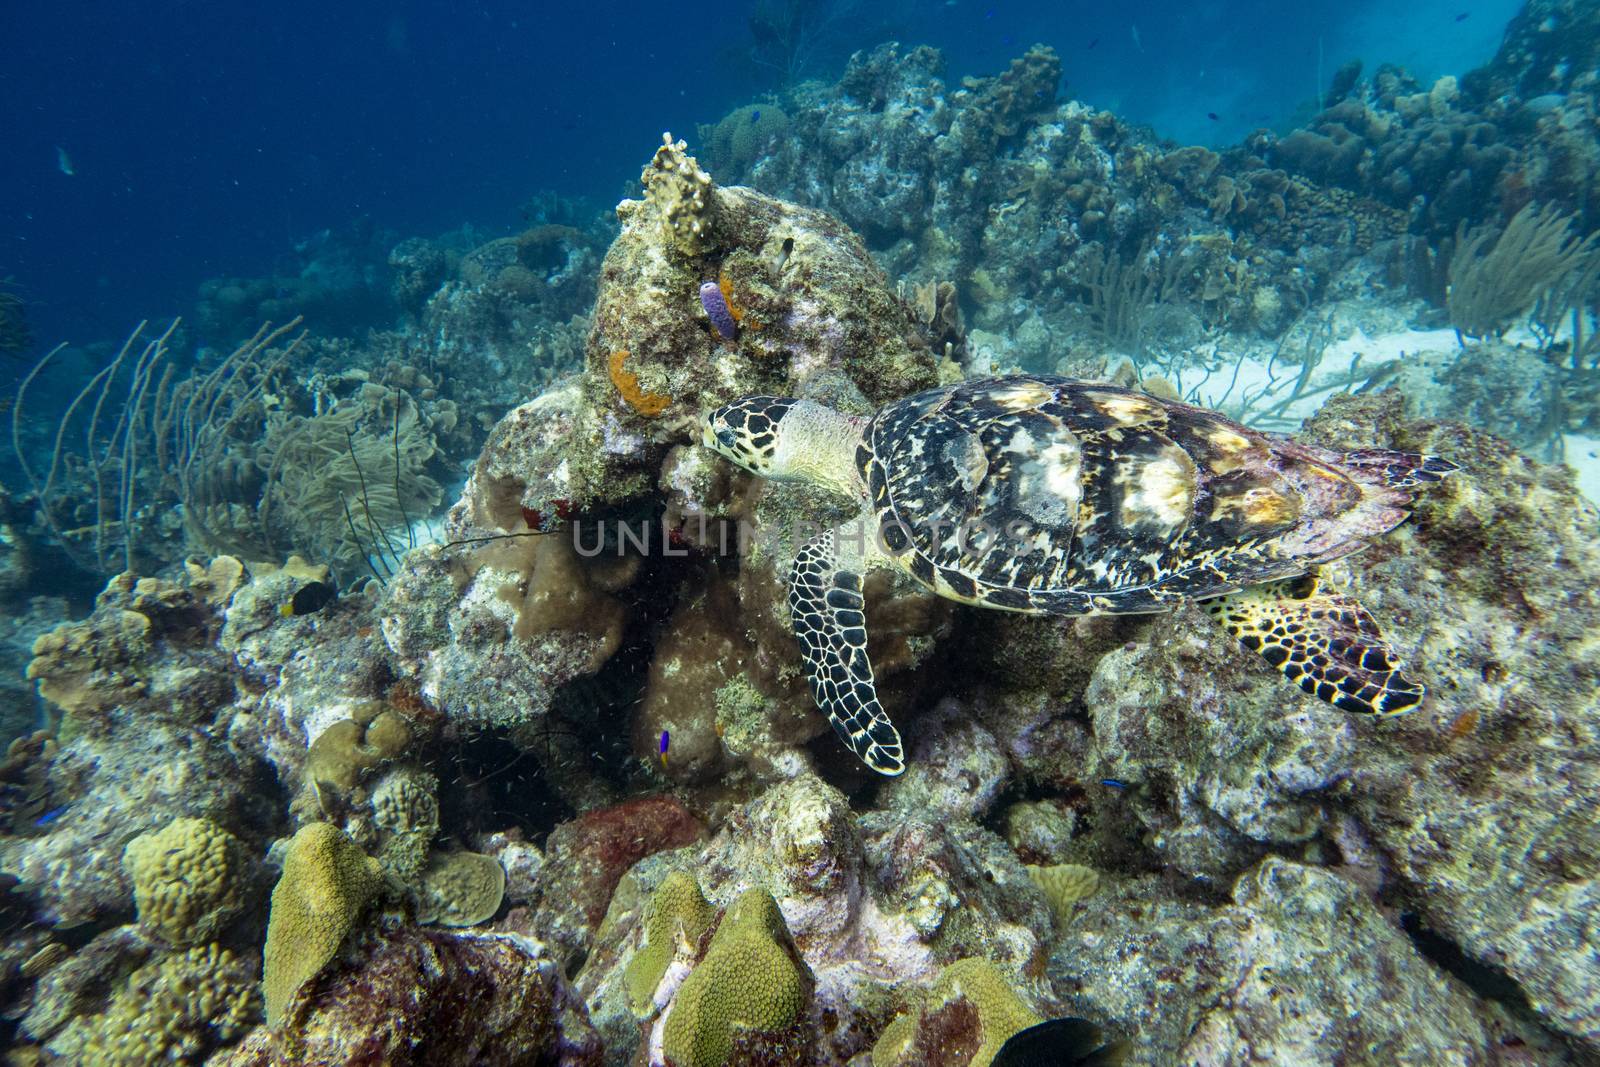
(206, 140)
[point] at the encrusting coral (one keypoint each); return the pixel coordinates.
(674, 922)
(349, 748)
(749, 989)
(963, 1019)
(460, 889)
(326, 883)
(185, 879)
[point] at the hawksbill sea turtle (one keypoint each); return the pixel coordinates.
(1053, 496)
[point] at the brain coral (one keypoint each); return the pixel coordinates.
(751, 983)
(326, 882)
(185, 879)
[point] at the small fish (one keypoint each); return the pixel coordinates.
(1092, 44)
(1059, 1043)
(1463, 16)
(1113, 783)
(50, 816)
(64, 162)
(661, 749)
(311, 597)
(755, 116)
(1212, 115)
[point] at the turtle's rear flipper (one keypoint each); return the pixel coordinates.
(826, 605)
(1324, 642)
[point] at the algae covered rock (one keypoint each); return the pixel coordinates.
(326, 883)
(431, 998)
(186, 879)
(964, 1018)
(748, 993)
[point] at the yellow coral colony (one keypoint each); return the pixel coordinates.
(1064, 884)
(677, 915)
(1001, 1013)
(326, 882)
(749, 980)
(185, 880)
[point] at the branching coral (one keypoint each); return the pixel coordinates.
(326, 883)
(186, 879)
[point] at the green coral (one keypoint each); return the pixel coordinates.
(185, 879)
(743, 134)
(749, 981)
(677, 913)
(460, 889)
(1000, 1011)
(176, 1010)
(326, 882)
(1064, 884)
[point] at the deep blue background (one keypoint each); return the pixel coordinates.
(208, 138)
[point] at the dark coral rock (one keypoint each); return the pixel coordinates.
(585, 858)
(424, 998)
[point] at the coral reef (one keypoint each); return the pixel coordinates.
(674, 921)
(326, 883)
(744, 996)
(460, 889)
(964, 1018)
(186, 880)
(176, 1010)
(424, 998)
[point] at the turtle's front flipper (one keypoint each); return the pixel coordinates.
(826, 605)
(1324, 642)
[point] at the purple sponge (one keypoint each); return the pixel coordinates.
(717, 310)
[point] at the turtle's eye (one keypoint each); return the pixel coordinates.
(727, 438)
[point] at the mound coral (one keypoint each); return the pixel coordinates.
(185, 879)
(750, 989)
(176, 1010)
(963, 1019)
(674, 921)
(326, 883)
(405, 807)
(349, 748)
(683, 196)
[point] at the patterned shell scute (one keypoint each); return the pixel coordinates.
(1043, 493)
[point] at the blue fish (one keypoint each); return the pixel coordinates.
(1113, 783)
(755, 117)
(50, 816)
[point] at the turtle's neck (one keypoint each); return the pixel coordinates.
(818, 445)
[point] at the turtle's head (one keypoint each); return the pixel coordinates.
(784, 438)
(746, 432)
